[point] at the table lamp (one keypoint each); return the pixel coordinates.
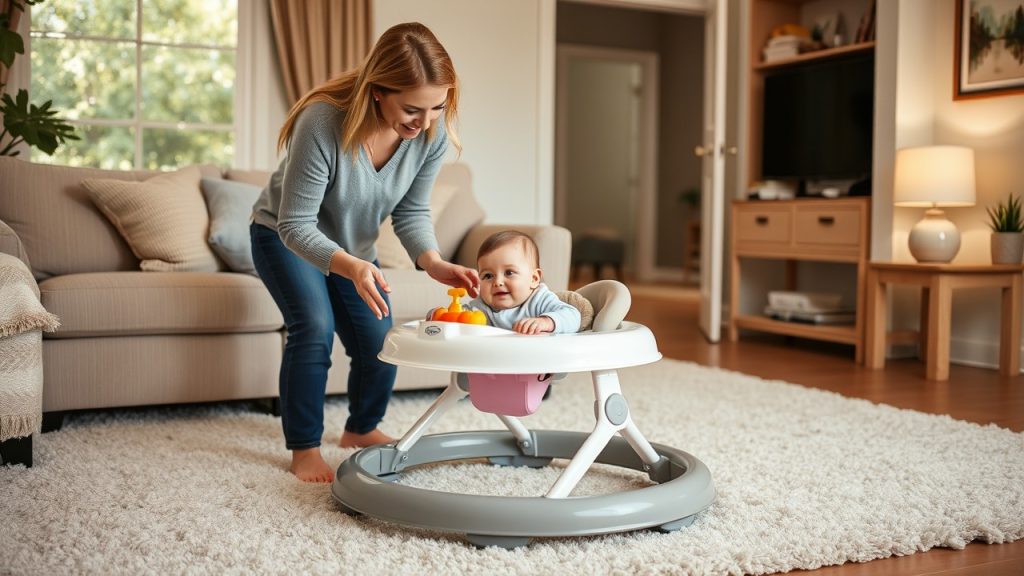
(934, 177)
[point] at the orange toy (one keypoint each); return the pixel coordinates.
(455, 313)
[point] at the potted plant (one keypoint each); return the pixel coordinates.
(1007, 231)
(23, 121)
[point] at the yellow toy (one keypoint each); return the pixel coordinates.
(455, 313)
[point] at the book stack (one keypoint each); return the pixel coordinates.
(782, 47)
(809, 308)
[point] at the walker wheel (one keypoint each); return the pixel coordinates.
(676, 524)
(506, 542)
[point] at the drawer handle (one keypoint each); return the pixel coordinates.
(761, 220)
(826, 220)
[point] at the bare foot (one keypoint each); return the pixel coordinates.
(309, 466)
(371, 438)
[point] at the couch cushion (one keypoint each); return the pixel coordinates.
(230, 207)
(163, 219)
(62, 231)
(459, 216)
(255, 177)
(139, 303)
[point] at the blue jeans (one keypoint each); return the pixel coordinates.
(314, 306)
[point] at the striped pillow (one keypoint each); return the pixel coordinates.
(163, 219)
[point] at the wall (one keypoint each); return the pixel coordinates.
(265, 105)
(506, 69)
(993, 127)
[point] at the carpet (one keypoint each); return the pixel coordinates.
(805, 478)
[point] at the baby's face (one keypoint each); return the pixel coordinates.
(507, 277)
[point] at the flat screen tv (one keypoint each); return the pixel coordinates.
(818, 120)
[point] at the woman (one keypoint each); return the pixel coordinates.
(359, 147)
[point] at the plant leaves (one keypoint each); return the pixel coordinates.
(38, 126)
(11, 45)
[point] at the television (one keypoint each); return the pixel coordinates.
(818, 120)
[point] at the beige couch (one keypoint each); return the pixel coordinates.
(130, 338)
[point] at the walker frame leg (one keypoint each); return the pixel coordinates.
(612, 414)
(448, 398)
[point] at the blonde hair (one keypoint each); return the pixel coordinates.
(405, 57)
(499, 239)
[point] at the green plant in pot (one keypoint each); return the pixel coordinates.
(23, 121)
(1007, 226)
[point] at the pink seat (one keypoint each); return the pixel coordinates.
(508, 394)
(521, 394)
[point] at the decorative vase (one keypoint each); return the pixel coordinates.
(1007, 247)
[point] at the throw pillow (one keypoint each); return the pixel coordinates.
(230, 206)
(163, 219)
(390, 252)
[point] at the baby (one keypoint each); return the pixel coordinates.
(511, 293)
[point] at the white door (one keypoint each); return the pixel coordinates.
(712, 150)
(605, 147)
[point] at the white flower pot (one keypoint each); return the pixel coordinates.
(1007, 247)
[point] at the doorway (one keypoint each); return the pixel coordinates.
(638, 122)
(605, 147)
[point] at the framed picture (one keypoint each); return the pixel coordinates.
(989, 58)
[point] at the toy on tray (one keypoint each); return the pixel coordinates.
(455, 313)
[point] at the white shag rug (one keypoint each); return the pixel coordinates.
(805, 479)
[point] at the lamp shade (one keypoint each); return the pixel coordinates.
(931, 176)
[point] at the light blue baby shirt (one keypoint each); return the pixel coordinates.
(542, 302)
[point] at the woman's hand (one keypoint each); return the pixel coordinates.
(366, 278)
(450, 274)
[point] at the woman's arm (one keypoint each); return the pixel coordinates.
(309, 170)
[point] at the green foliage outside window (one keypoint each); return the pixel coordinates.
(174, 107)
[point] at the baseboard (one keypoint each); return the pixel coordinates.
(963, 352)
(975, 353)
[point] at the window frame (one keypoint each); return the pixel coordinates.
(20, 77)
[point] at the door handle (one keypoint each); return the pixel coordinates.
(701, 151)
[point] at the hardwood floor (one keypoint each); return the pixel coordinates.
(973, 394)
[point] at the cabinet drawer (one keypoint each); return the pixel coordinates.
(835, 226)
(763, 224)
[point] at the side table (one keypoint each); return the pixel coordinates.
(937, 282)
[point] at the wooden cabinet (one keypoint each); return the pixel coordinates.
(791, 231)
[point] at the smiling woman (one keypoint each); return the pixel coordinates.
(146, 84)
(361, 147)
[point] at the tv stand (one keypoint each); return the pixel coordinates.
(794, 231)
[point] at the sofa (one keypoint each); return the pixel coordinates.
(130, 337)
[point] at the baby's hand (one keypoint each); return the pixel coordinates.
(538, 325)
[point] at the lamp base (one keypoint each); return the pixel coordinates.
(934, 238)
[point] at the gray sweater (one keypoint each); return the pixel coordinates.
(542, 302)
(319, 201)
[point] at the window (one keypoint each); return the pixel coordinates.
(146, 83)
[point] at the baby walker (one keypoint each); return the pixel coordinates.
(507, 374)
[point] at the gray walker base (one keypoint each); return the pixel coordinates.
(365, 483)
